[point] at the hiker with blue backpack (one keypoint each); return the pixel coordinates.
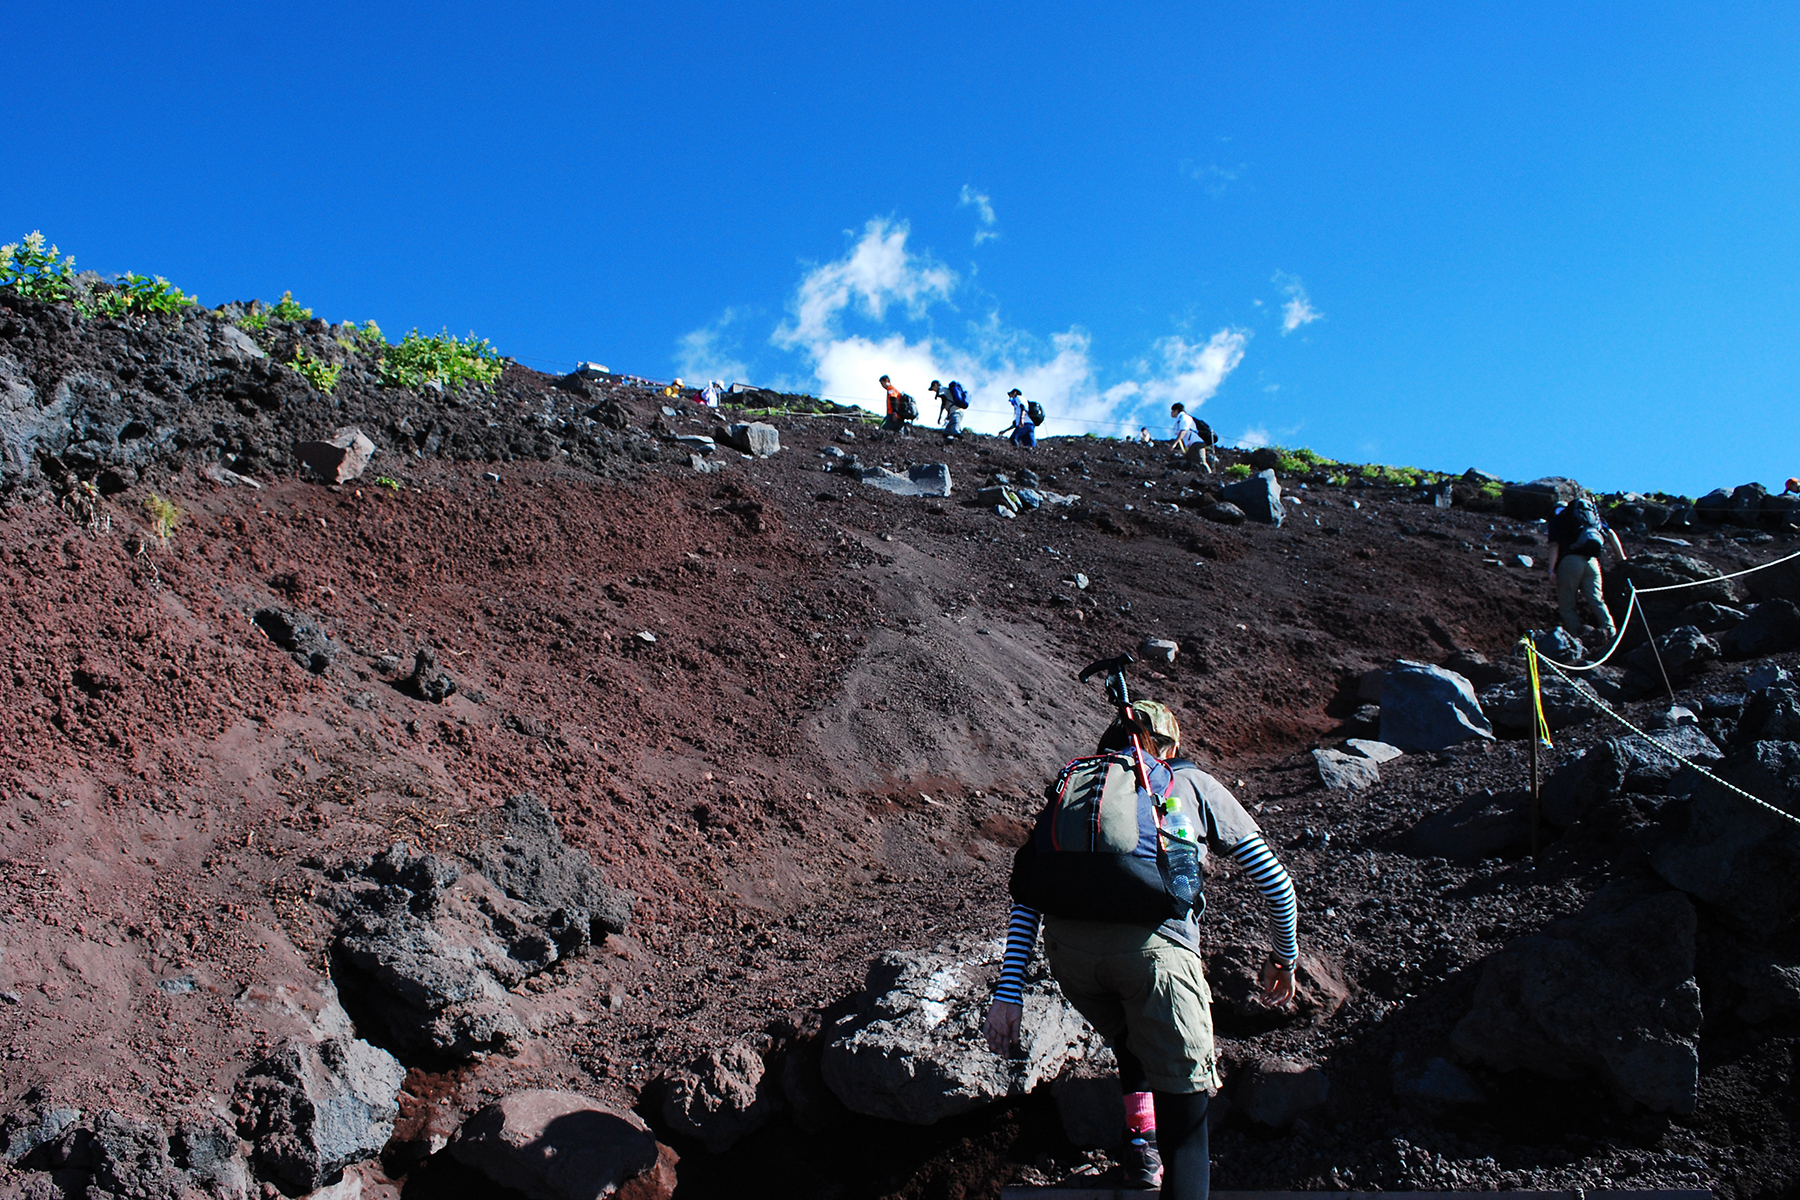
(1578, 538)
(1027, 416)
(1112, 874)
(953, 401)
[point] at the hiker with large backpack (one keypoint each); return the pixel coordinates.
(1024, 427)
(1113, 875)
(901, 408)
(1578, 538)
(953, 401)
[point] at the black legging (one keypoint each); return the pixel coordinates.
(1181, 1140)
(1180, 1132)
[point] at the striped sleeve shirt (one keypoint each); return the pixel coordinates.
(1253, 854)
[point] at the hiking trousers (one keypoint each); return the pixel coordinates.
(1578, 579)
(1141, 990)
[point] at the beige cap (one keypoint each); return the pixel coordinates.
(1158, 720)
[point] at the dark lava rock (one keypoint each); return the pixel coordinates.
(719, 1097)
(1709, 617)
(1771, 715)
(1682, 651)
(534, 865)
(1223, 514)
(1610, 991)
(298, 634)
(427, 682)
(1258, 497)
(312, 1110)
(1771, 628)
(1480, 827)
(1509, 705)
(1538, 499)
(1274, 1091)
(1734, 854)
(1428, 708)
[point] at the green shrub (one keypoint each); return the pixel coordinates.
(164, 516)
(1493, 489)
(286, 310)
(135, 295)
(1301, 461)
(419, 360)
(256, 320)
(316, 371)
(1398, 477)
(1339, 481)
(370, 337)
(1238, 471)
(391, 484)
(33, 272)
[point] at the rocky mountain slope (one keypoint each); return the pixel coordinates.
(563, 749)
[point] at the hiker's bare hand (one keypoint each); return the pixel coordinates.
(1278, 987)
(1002, 1026)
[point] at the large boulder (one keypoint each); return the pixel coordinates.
(1651, 569)
(1746, 504)
(1734, 854)
(533, 864)
(1772, 627)
(1682, 650)
(1434, 1084)
(430, 966)
(719, 1097)
(1537, 500)
(913, 1051)
(1771, 715)
(1274, 1091)
(310, 1110)
(338, 458)
(928, 479)
(1428, 708)
(1259, 497)
(1620, 765)
(553, 1145)
(757, 438)
(1609, 991)
(1509, 705)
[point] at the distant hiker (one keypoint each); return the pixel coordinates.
(1024, 429)
(711, 394)
(1793, 485)
(1194, 439)
(901, 407)
(952, 402)
(673, 390)
(1122, 936)
(1578, 537)
(1144, 438)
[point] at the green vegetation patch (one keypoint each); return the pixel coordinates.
(442, 359)
(1238, 471)
(316, 371)
(286, 309)
(164, 516)
(135, 296)
(34, 272)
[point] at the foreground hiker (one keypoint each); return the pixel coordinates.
(1121, 930)
(1578, 537)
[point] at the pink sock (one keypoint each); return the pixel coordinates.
(1140, 1113)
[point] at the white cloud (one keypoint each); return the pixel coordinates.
(984, 212)
(1298, 310)
(700, 354)
(880, 280)
(876, 272)
(1214, 178)
(1253, 438)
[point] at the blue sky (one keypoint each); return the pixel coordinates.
(1532, 238)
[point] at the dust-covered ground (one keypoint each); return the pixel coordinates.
(799, 719)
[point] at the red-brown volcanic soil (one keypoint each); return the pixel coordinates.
(829, 749)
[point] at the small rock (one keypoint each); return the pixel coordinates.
(696, 442)
(1345, 772)
(720, 1097)
(928, 479)
(1435, 1084)
(490, 476)
(554, 1145)
(1160, 649)
(427, 682)
(1378, 752)
(756, 438)
(1081, 581)
(705, 466)
(644, 635)
(340, 458)
(1224, 513)
(1525, 560)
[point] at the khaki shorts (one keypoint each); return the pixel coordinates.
(1137, 986)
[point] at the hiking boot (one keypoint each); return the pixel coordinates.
(1143, 1165)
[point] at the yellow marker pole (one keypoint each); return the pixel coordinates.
(1540, 731)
